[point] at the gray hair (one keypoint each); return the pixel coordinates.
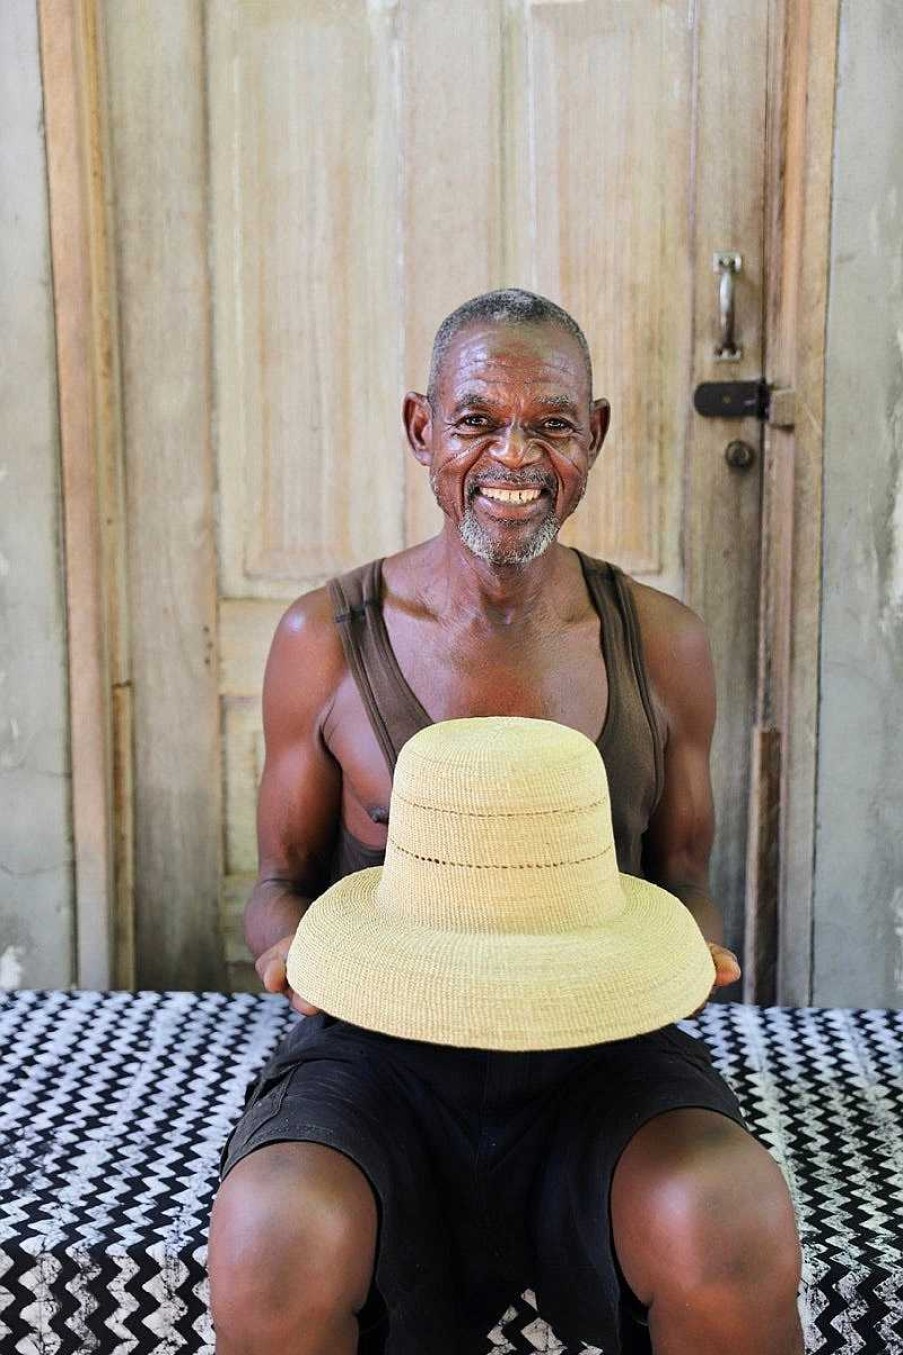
(508, 306)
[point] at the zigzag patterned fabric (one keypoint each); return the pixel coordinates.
(114, 1106)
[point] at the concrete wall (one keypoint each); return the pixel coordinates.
(36, 894)
(858, 924)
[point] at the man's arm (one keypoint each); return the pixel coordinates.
(300, 791)
(678, 842)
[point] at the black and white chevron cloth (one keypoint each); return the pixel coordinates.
(113, 1109)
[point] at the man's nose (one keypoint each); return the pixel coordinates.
(515, 448)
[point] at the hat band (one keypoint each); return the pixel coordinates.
(530, 840)
(547, 898)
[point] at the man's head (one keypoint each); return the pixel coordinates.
(508, 427)
(508, 306)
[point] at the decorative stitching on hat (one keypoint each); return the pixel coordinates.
(521, 865)
(513, 814)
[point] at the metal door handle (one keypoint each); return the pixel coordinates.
(727, 265)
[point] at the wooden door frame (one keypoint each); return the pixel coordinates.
(798, 178)
(92, 490)
(798, 164)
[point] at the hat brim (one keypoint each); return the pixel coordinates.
(644, 969)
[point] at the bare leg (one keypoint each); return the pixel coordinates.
(705, 1235)
(292, 1252)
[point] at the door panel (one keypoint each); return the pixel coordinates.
(575, 186)
(155, 80)
(373, 164)
(612, 138)
(451, 232)
(722, 507)
(304, 177)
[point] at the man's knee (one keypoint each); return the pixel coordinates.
(292, 1238)
(700, 1205)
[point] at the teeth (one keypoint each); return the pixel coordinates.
(512, 495)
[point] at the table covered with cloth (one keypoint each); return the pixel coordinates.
(114, 1108)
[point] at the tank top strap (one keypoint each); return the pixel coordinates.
(392, 709)
(631, 742)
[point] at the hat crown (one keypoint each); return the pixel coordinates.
(499, 765)
(501, 824)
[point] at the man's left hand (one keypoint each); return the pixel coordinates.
(727, 969)
(727, 966)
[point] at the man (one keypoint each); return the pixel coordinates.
(494, 616)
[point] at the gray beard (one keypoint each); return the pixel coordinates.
(480, 543)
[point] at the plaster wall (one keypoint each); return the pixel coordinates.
(858, 905)
(36, 889)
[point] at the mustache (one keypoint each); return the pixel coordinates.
(506, 479)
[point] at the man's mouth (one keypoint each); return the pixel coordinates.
(512, 491)
(500, 495)
(496, 508)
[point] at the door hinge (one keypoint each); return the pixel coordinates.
(746, 400)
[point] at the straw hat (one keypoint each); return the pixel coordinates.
(500, 919)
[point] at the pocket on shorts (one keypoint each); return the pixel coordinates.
(266, 1106)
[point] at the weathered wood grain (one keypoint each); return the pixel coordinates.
(246, 629)
(453, 174)
(722, 505)
(611, 104)
(243, 756)
(763, 868)
(71, 116)
(304, 201)
(241, 977)
(156, 82)
(802, 64)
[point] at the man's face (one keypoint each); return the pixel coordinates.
(511, 437)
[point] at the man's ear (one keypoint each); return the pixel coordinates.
(418, 419)
(599, 419)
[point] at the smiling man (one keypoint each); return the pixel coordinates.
(493, 616)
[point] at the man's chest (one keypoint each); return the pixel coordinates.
(439, 675)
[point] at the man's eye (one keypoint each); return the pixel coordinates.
(474, 421)
(556, 425)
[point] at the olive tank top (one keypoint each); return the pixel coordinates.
(630, 741)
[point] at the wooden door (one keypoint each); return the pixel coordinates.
(302, 190)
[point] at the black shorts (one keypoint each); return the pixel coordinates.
(491, 1170)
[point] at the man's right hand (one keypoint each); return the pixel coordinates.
(270, 966)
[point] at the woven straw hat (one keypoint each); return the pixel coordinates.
(500, 919)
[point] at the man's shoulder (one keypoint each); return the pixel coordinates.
(675, 646)
(661, 612)
(309, 619)
(308, 631)
(656, 610)
(306, 660)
